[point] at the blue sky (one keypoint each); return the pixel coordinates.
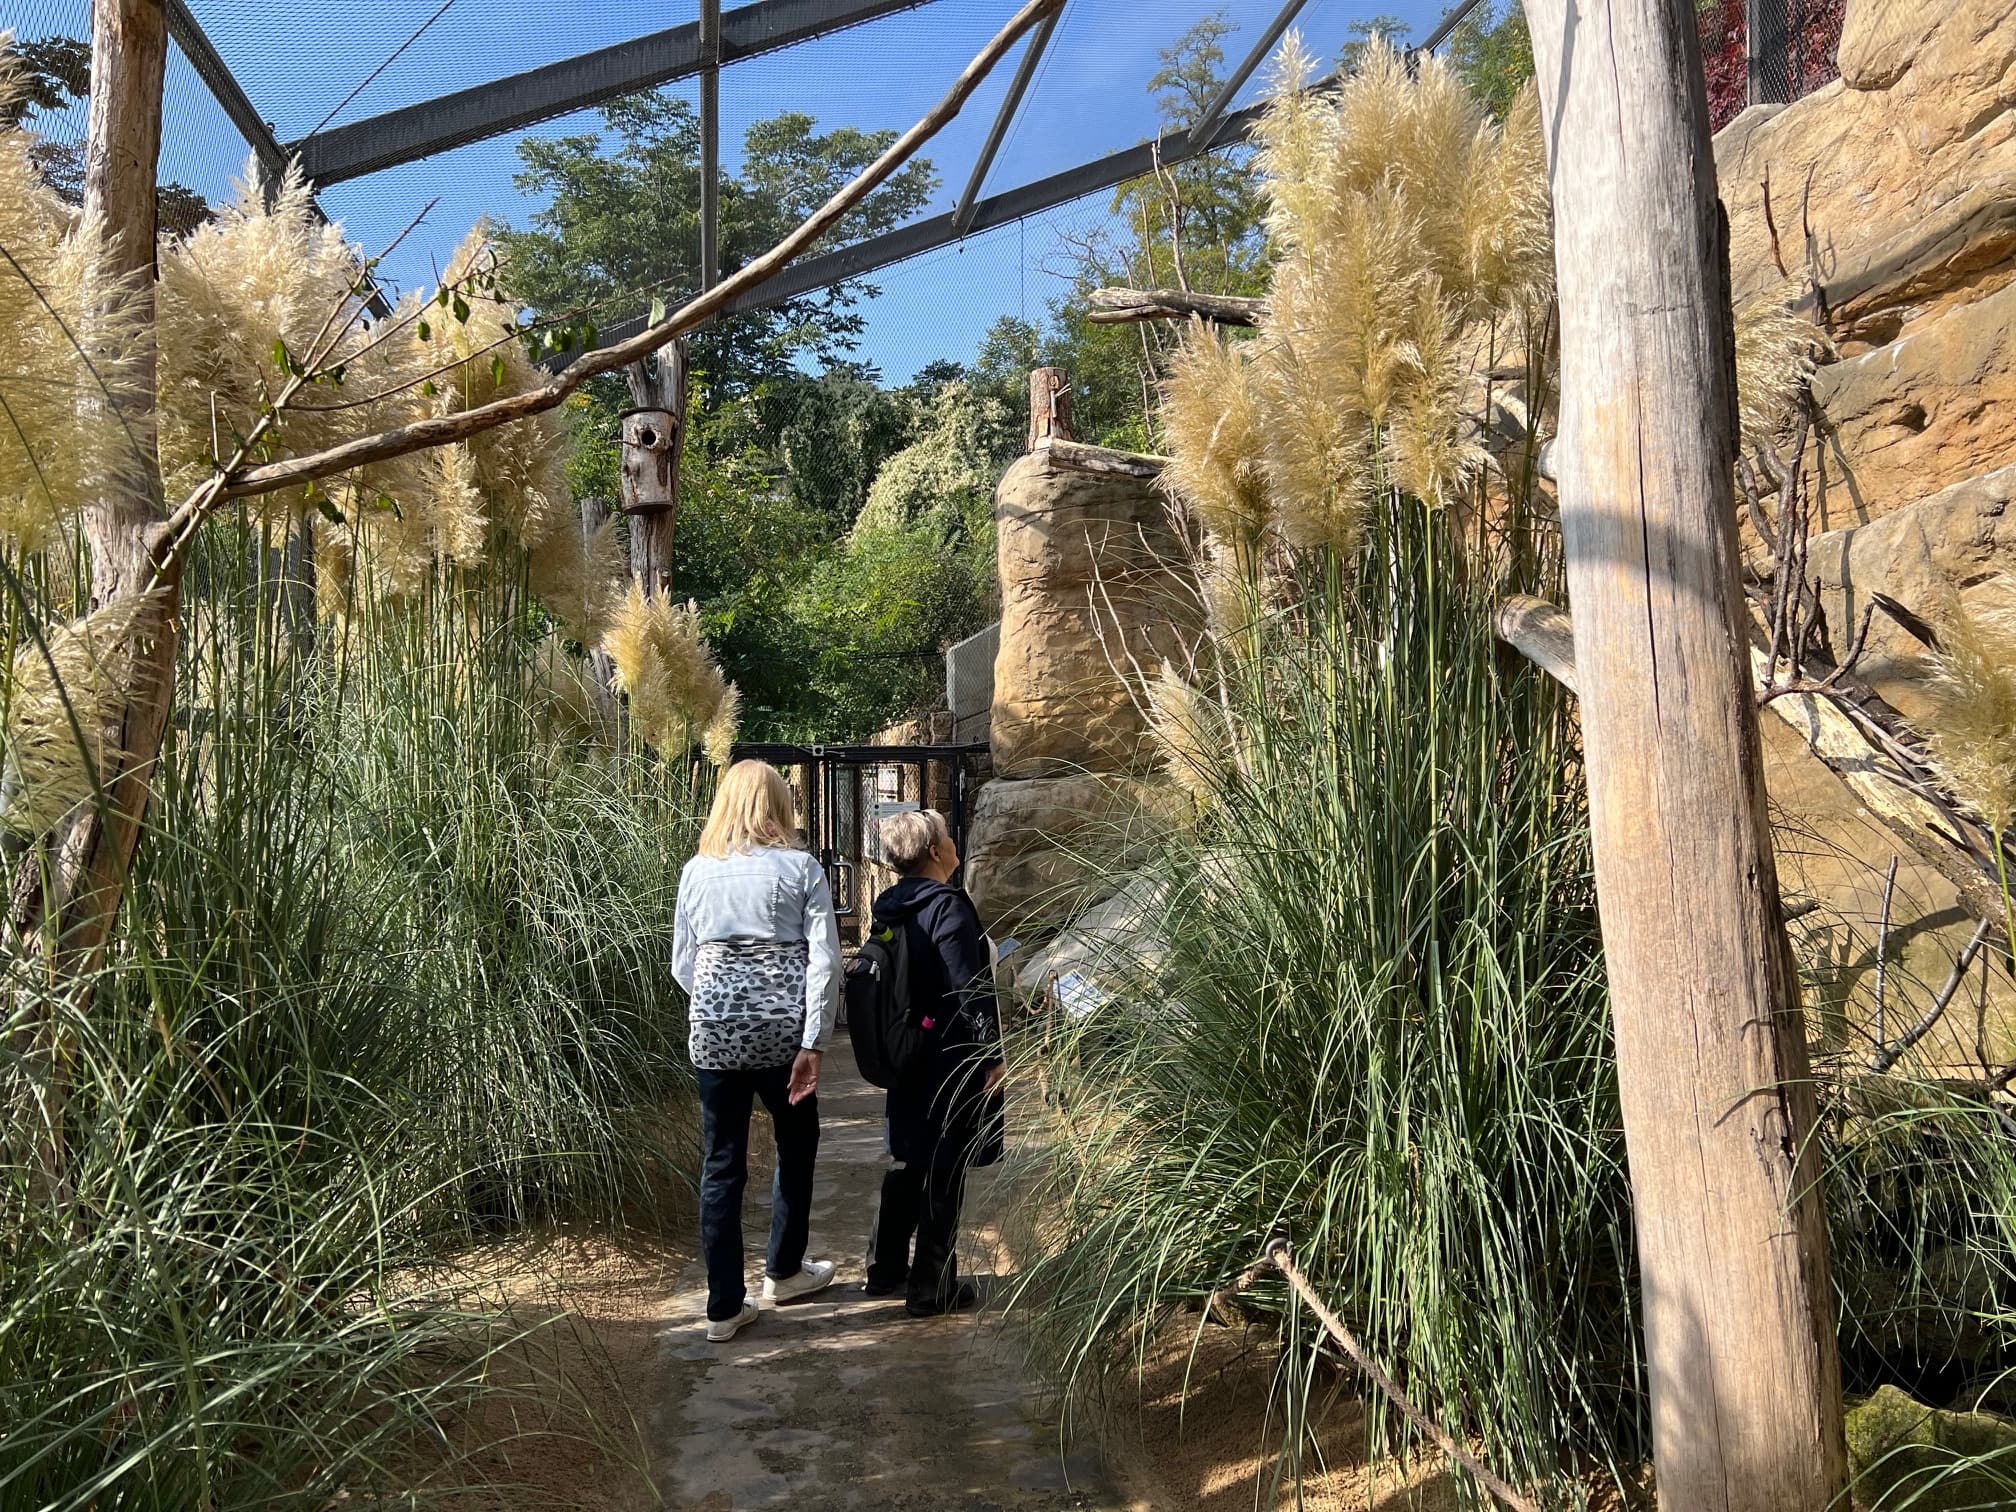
(297, 59)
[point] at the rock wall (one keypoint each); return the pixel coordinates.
(1894, 190)
(1091, 588)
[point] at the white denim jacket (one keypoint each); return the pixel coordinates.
(769, 895)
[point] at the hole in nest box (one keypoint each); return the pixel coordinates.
(647, 437)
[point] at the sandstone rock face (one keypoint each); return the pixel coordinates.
(1901, 170)
(1893, 189)
(1927, 557)
(1088, 590)
(1040, 850)
(1913, 417)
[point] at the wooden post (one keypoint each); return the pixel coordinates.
(654, 434)
(1716, 1094)
(69, 908)
(1049, 406)
(129, 49)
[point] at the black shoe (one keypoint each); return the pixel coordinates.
(873, 1288)
(963, 1299)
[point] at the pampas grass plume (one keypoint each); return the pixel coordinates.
(664, 668)
(718, 740)
(73, 345)
(1188, 730)
(60, 712)
(1971, 731)
(1211, 419)
(1775, 354)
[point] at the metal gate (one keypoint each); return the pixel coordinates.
(842, 790)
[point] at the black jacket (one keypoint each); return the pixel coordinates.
(944, 1118)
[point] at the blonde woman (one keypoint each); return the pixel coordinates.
(756, 947)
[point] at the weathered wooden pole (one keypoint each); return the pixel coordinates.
(129, 48)
(1711, 1057)
(65, 897)
(654, 435)
(1049, 406)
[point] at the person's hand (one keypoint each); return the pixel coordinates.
(804, 1076)
(993, 1077)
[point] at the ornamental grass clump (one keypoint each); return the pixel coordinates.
(1372, 1009)
(68, 686)
(1372, 1005)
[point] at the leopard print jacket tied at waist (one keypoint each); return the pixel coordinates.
(747, 1011)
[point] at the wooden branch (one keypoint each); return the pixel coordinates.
(1887, 1055)
(1540, 632)
(1126, 306)
(1079, 457)
(1543, 634)
(439, 430)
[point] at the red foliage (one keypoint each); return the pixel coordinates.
(1813, 30)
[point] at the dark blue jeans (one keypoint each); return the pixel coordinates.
(726, 1098)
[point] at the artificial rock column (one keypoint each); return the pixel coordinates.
(1092, 597)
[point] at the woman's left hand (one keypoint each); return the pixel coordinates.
(804, 1076)
(993, 1078)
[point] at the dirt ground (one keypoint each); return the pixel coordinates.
(843, 1403)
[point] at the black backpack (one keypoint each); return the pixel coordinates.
(890, 1045)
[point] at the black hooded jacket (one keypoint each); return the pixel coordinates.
(945, 1118)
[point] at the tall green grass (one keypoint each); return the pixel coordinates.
(389, 977)
(1372, 1011)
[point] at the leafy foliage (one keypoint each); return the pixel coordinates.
(622, 224)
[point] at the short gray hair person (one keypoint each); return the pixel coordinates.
(909, 839)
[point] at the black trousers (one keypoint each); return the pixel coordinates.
(726, 1100)
(922, 1202)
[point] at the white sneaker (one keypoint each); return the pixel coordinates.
(814, 1275)
(724, 1330)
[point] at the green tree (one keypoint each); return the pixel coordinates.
(622, 224)
(48, 73)
(1362, 33)
(1493, 53)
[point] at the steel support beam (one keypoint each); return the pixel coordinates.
(1200, 129)
(1032, 56)
(539, 94)
(226, 91)
(918, 237)
(710, 142)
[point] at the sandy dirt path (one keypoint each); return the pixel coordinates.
(844, 1403)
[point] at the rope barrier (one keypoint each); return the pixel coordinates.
(1281, 1255)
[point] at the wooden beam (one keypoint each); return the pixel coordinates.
(1713, 1080)
(1104, 460)
(1125, 306)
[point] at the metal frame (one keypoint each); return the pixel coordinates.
(921, 236)
(1227, 92)
(820, 763)
(710, 142)
(523, 99)
(226, 91)
(1032, 56)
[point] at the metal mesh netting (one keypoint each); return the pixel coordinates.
(1791, 55)
(306, 67)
